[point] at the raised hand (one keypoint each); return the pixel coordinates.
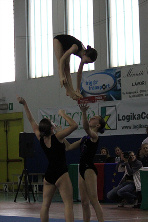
(21, 100)
(84, 107)
(61, 112)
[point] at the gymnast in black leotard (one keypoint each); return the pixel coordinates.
(56, 158)
(88, 172)
(67, 41)
(54, 146)
(64, 46)
(88, 150)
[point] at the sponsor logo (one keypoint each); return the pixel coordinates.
(109, 114)
(133, 117)
(131, 73)
(98, 83)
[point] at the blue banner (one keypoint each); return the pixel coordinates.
(111, 178)
(105, 84)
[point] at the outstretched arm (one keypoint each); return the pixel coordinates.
(33, 123)
(74, 145)
(84, 107)
(67, 54)
(68, 146)
(58, 129)
(67, 131)
(84, 60)
(79, 76)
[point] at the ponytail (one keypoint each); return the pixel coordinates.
(102, 125)
(91, 53)
(45, 127)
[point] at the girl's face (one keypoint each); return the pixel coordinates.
(145, 149)
(132, 156)
(103, 152)
(86, 59)
(118, 151)
(94, 121)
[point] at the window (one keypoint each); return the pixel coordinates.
(80, 25)
(40, 38)
(7, 41)
(124, 35)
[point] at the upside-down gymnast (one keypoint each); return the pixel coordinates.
(88, 172)
(56, 176)
(64, 46)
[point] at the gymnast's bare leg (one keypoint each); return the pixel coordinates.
(69, 86)
(48, 193)
(88, 192)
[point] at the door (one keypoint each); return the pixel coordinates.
(11, 164)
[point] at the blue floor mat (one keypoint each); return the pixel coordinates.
(24, 219)
(27, 219)
(32, 219)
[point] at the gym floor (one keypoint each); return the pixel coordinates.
(23, 208)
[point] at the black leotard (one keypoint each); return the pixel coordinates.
(57, 160)
(67, 41)
(88, 150)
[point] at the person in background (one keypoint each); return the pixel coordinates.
(64, 46)
(146, 140)
(56, 176)
(118, 153)
(129, 188)
(144, 154)
(140, 152)
(88, 172)
(105, 151)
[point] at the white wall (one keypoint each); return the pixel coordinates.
(46, 92)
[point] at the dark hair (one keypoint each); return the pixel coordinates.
(102, 125)
(104, 148)
(45, 127)
(91, 53)
(118, 148)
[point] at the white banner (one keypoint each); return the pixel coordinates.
(122, 117)
(125, 117)
(134, 82)
(74, 112)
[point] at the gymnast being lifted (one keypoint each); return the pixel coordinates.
(64, 46)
